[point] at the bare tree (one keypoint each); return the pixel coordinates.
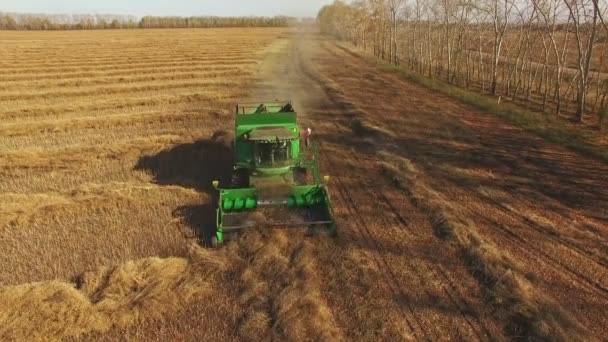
(394, 6)
(518, 48)
(585, 29)
(500, 14)
(549, 10)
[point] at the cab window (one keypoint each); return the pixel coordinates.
(272, 153)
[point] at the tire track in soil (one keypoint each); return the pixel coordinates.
(346, 197)
(499, 142)
(371, 244)
(425, 283)
(528, 248)
(414, 323)
(532, 249)
(382, 264)
(402, 224)
(559, 241)
(436, 268)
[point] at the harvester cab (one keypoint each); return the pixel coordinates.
(276, 180)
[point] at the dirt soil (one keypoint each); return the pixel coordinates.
(389, 275)
(499, 235)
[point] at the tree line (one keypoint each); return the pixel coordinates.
(16, 21)
(548, 55)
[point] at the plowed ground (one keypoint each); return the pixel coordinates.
(452, 224)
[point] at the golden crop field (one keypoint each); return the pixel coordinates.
(79, 110)
(84, 117)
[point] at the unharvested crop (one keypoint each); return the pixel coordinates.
(95, 221)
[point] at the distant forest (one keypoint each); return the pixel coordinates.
(18, 21)
(549, 55)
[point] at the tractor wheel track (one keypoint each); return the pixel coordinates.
(308, 76)
(463, 307)
(515, 238)
(528, 248)
(382, 264)
(448, 284)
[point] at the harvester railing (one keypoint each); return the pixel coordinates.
(261, 107)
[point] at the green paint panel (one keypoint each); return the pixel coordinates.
(266, 119)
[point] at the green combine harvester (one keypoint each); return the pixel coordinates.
(276, 180)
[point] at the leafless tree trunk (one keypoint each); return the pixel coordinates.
(585, 41)
(500, 13)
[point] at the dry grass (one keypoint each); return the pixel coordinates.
(281, 290)
(528, 312)
(78, 112)
(112, 296)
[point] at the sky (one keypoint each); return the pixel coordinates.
(298, 8)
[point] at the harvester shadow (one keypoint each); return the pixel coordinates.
(194, 165)
(201, 218)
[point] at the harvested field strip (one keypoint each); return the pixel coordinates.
(95, 123)
(171, 76)
(523, 235)
(433, 283)
(426, 300)
(527, 311)
(127, 65)
(444, 140)
(502, 147)
(208, 86)
(124, 57)
(103, 107)
(553, 234)
(415, 325)
(124, 68)
(37, 77)
(161, 97)
(579, 239)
